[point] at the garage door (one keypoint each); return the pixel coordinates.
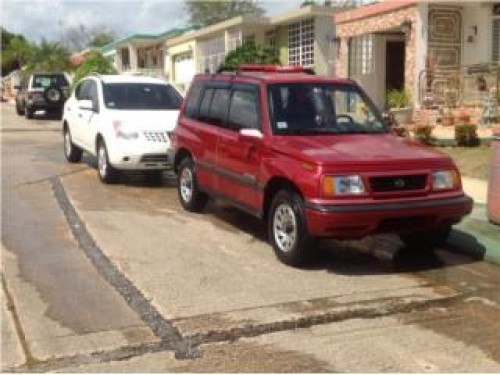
(184, 68)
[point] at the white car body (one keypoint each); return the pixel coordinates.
(135, 139)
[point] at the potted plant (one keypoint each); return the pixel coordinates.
(398, 102)
(448, 118)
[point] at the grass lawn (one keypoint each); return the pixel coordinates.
(471, 161)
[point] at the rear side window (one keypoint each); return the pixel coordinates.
(219, 107)
(205, 104)
(243, 112)
(191, 108)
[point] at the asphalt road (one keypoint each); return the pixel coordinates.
(100, 278)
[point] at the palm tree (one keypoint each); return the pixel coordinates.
(18, 53)
(49, 57)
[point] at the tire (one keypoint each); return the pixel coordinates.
(426, 241)
(19, 111)
(53, 95)
(28, 113)
(288, 232)
(192, 199)
(107, 174)
(72, 152)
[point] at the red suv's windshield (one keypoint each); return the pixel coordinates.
(322, 108)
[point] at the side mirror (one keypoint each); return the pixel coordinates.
(86, 105)
(251, 134)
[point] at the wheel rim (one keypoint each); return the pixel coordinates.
(102, 161)
(186, 185)
(285, 227)
(67, 143)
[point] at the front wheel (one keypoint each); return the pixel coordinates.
(192, 199)
(288, 232)
(72, 152)
(107, 174)
(28, 113)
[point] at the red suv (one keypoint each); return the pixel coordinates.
(311, 156)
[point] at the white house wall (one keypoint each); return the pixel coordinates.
(478, 51)
(324, 54)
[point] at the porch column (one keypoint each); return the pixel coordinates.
(410, 60)
(133, 57)
(421, 27)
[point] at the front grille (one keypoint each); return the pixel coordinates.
(398, 183)
(154, 158)
(152, 136)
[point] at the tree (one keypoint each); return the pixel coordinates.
(49, 57)
(17, 54)
(95, 62)
(204, 13)
(77, 38)
(250, 53)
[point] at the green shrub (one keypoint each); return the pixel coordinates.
(94, 63)
(466, 135)
(398, 98)
(423, 134)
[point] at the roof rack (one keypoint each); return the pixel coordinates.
(266, 69)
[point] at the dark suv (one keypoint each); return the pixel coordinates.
(311, 156)
(42, 91)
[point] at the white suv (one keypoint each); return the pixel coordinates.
(125, 121)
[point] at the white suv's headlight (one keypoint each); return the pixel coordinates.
(123, 133)
(343, 185)
(445, 179)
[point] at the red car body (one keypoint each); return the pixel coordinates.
(248, 170)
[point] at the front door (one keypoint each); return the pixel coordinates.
(395, 65)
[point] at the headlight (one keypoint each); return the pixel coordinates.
(448, 179)
(343, 185)
(124, 133)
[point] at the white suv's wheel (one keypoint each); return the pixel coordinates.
(72, 152)
(107, 173)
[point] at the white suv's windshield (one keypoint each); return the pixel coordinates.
(299, 108)
(141, 96)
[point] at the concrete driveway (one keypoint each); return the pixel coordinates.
(119, 278)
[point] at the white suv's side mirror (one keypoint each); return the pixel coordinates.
(86, 105)
(251, 133)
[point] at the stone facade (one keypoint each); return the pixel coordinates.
(385, 22)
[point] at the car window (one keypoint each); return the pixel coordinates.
(219, 107)
(191, 108)
(82, 90)
(205, 104)
(141, 96)
(322, 108)
(49, 80)
(243, 111)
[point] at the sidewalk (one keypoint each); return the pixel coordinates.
(475, 235)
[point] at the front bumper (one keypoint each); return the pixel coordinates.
(141, 156)
(360, 220)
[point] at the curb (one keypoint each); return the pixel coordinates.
(477, 237)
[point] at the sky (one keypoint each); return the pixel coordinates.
(47, 19)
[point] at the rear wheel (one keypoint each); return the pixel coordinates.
(72, 152)
(107, 174)
(19, 110)
(426, 241)
(28, 113)
(288, 232)
(192, 199)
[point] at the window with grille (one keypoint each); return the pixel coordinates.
(234, 39)
(301, 43)
(361, 55)
(271, 38)
(212, 52)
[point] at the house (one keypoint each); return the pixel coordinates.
(141, 53)
(304, 36)
(442, 53)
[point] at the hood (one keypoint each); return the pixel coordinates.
(355, 149)
(146, 120)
